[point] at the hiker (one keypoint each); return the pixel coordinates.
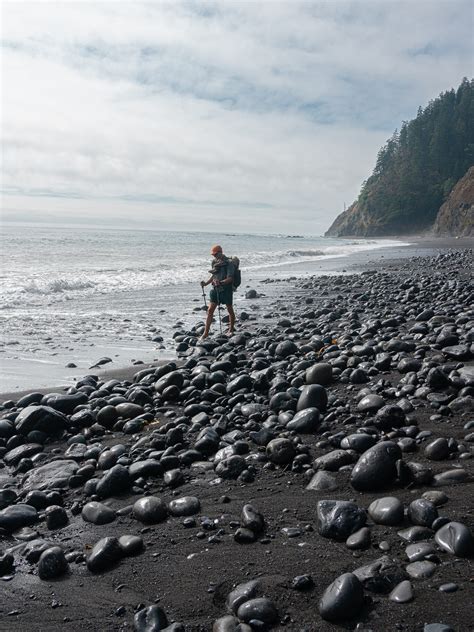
(222, 279)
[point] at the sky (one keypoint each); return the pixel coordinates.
(250, 116)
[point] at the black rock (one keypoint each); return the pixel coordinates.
(313, 396)
(320, 373)
(151, 619)
(342, 599)
(104, 554)
(455, 538)
(115, 481)
(280, 451)
(98, 513)
(131, 544)
(376, 468)
(422, 512)
(42, 418)
(260, 609)
(252, 519)
(387, 511)
(304, 422)
(52, 563)
(338, 519)
(17, 516)
(150, 510)
(185, 506)
(56, 517)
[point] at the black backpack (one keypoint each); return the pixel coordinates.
(237, 276)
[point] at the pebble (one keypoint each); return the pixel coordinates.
(388, 511)
(150, 510)
(342, 599)
(52, 563)
(402, 593)
(376, 467)
(338, 519)
(97, 513)
(455, 538)
(105, 553)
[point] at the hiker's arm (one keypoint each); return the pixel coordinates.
(204, 283)
(227, 281)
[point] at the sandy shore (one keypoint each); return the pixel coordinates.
(189, 565)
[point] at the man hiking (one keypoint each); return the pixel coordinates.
(222, 279)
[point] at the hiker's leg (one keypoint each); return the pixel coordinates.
(210, 313)
(230, 309)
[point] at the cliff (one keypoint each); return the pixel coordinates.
(456, 216)
(415, 172)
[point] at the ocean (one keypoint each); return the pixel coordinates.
(73, 294)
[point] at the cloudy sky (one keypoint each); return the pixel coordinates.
(263, 116)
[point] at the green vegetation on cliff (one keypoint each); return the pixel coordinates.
(416, 169)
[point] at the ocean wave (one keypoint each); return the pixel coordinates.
(57, 286)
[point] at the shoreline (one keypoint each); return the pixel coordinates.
(373, 329)
(332, 265)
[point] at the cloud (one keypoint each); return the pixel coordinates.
(182, 112)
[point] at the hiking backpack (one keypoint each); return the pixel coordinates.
(237, 276)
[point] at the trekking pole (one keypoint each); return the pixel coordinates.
(204, 296)
(219, 309)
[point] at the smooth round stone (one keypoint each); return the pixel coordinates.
(244, 536)
(389, 416)
(285, 349)
(402, 593)
(56, 517)
(131, 544)
(150, 510)
(436, 497)
(437, 450)
(231, 467)
(241, 594)
(252, 519)
(370, 403)
(230, 624)
(376, 468)
(450, 477)
(305, 421)
(115, 481)
(359, 540)
(333, 460)
(386, 511)
(52, 563)
(422, 512)
(185, 506)
(342, 599)
(359, 441)
(151, 619)
(105, 553)
(313, 396)
(419, 551)
(8, 497)
(338, 519)
(455, 538)
(15, 517)
(322, 482)
(261, 609)
(320, 373)
(437, 627)
(280, 451)
(415, 534)
(449, 587)
(421, 570)
(97, 513)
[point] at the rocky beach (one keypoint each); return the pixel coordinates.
(312, 473)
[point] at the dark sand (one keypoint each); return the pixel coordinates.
(191, 577)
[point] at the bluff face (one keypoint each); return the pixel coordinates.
(456, 216)
(415, 172)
